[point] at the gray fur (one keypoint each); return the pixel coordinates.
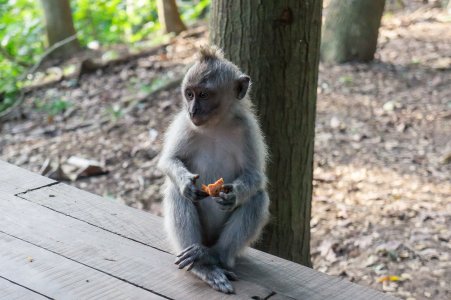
(212, 231)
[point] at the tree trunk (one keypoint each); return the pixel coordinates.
(350, 30)
(277, 44)
(59, 25)
(169, 17)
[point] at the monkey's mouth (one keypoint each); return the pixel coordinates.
(198, 120)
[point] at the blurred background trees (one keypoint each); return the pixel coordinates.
(169, 17)
(59, 26)
(28, 28)
(351, 29)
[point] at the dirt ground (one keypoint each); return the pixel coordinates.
(382, 189)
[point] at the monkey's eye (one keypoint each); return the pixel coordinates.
(189, 94)
(203, 95)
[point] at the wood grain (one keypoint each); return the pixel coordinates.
(279, 275)
(58, 277)
(109, 215)
(109, 253)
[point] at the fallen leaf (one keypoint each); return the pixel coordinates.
(388, 278)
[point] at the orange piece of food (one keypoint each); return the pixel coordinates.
(213, 189)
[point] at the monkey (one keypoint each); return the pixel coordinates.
(215, 134)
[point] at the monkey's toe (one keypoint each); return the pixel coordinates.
(231, 275)
(218, 281)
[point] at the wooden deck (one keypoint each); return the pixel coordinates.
(59, 242)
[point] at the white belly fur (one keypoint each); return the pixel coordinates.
(216, 159)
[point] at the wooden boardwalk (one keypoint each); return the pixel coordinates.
(59, 242)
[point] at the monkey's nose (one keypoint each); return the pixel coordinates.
(194, 112)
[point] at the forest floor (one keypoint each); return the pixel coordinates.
(382, 189)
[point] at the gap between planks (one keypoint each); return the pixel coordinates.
(186, 284)
(83, 264)
(19, 195)
(144, 241)
(20, 286)
(284, 277)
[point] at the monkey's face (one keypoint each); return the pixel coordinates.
(203, 104)
(210, 89)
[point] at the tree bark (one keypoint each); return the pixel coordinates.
(277, 44)
(169, 16)
(59, 25)
(351, 30)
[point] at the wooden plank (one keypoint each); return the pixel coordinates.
(109, 253)
(112, 216)
(13, 291)
(58, 277)
(289, 279)
(279, 275)
(14, 180)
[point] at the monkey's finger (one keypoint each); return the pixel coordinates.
(186, 262)
(228, 208)
(195, 177)
(227, 188)
(190, 266)
(186, 256)
(201, 194)
(179, 260)
(221, 201)
(225, 196)
(193, 189)
(225, 202)
(186, 250)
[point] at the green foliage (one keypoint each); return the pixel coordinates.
(10, 93)
(115, 112)
(22, 31)
(346, 79)
(53, 107)
(114, 21)
(193, 11)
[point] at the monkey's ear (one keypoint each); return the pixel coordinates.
(242, 85)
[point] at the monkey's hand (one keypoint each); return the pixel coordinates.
(190, 191)
(227, 198)
(216, 277)
(196, 254)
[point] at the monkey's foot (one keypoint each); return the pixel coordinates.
(195, 253)
(215, 277)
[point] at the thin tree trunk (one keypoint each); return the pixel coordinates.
(277, 44)
(351, 30)
(169, 16)
(59, 25)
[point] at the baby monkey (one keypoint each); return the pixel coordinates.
(215, 135)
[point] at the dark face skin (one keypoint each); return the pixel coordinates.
(210, 89)
(203, 104)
